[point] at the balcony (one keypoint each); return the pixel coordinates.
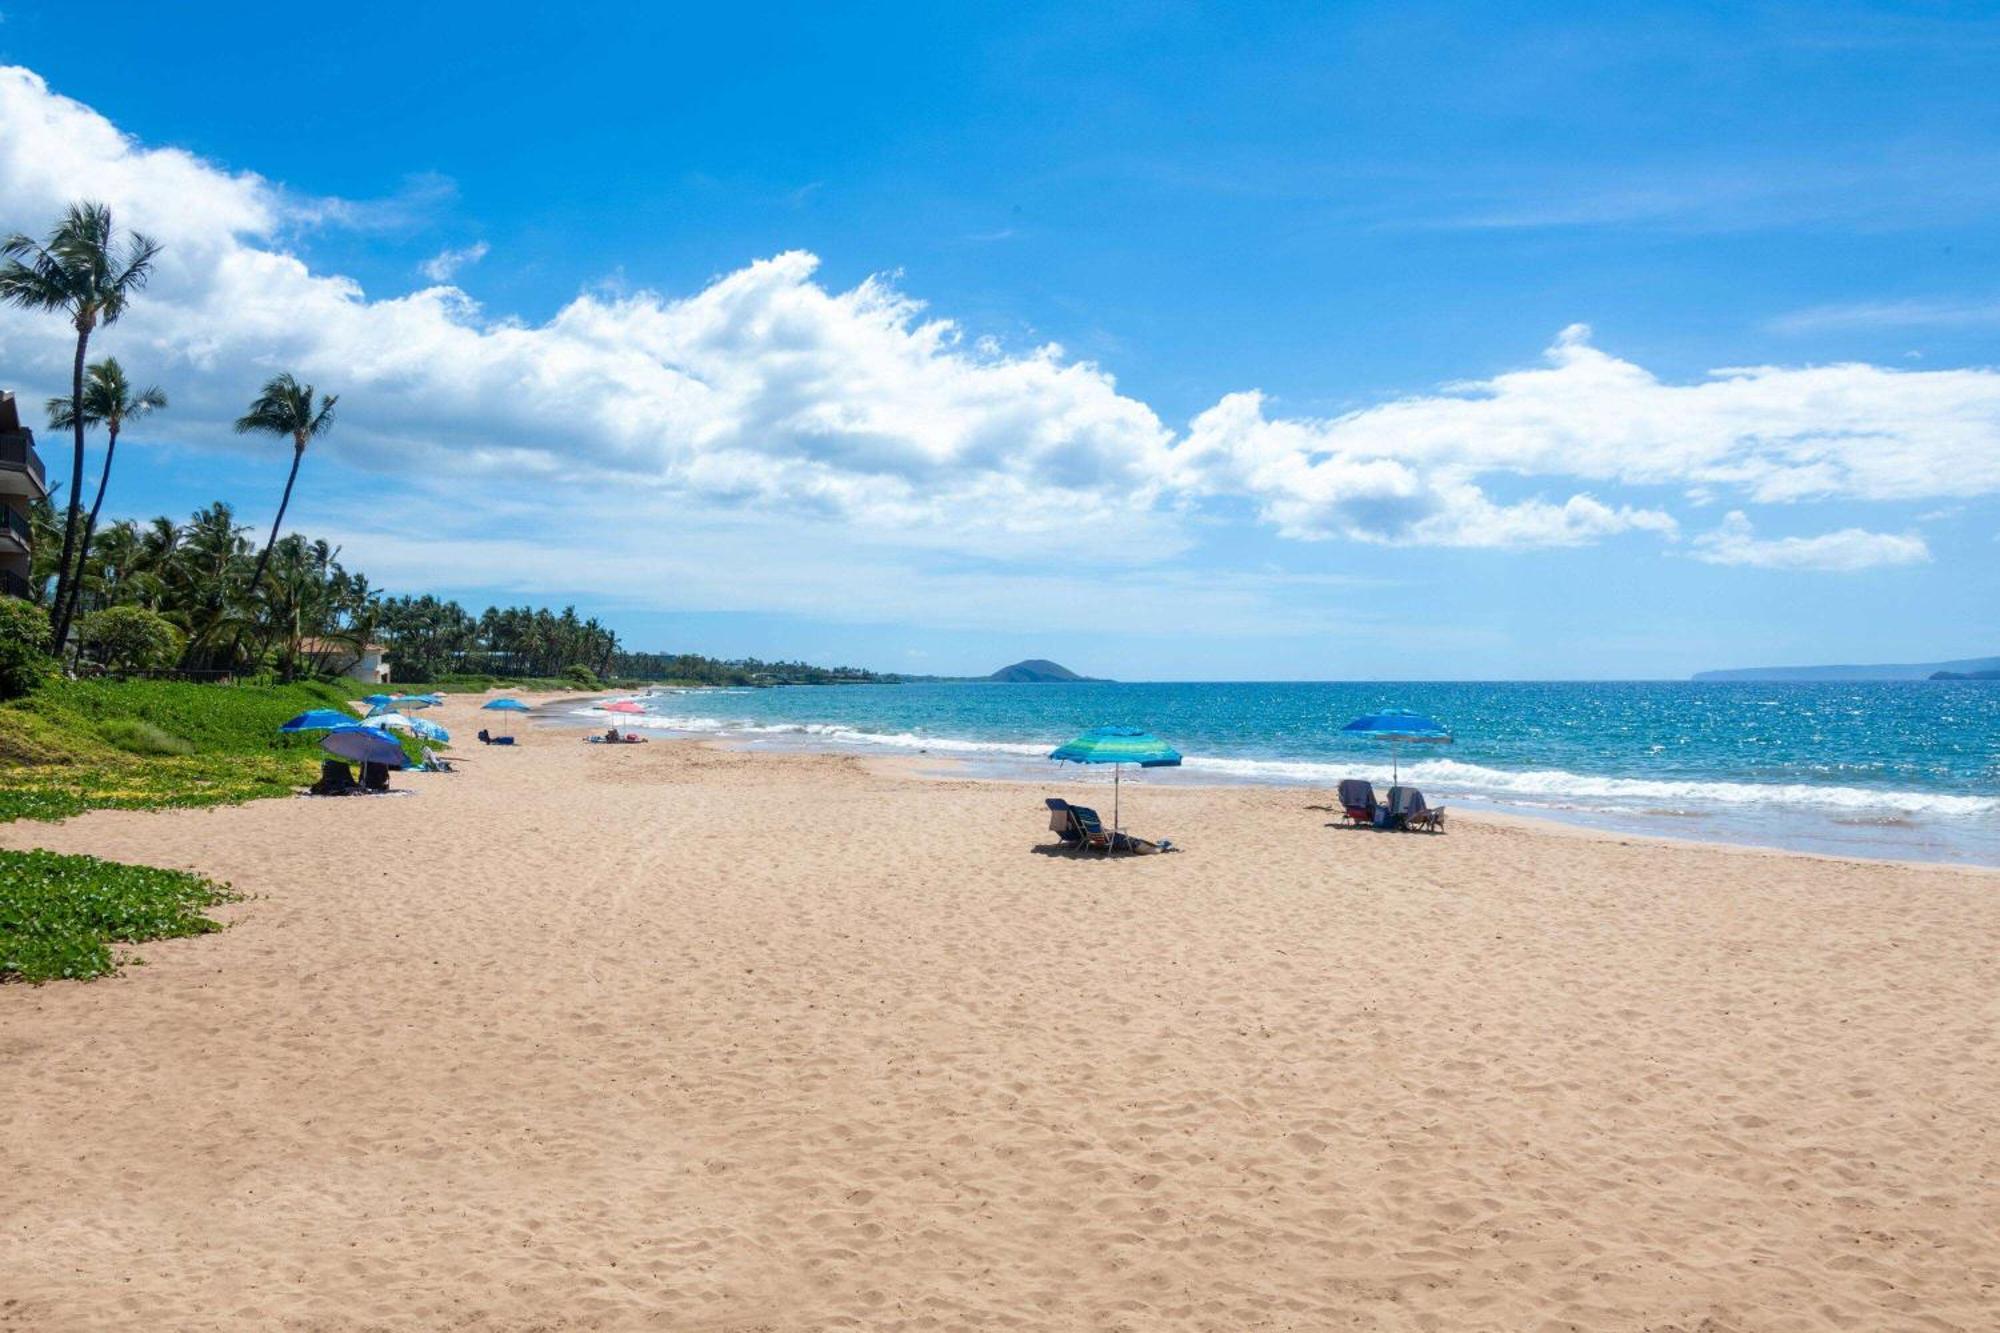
(18, 455)
(14, 529)
(13, 585)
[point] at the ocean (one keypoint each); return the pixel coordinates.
(1901, 770)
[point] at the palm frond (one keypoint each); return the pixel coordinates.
(79, 268)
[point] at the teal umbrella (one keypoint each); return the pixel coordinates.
(1400, 726)
(1118, 746)
(506, 706)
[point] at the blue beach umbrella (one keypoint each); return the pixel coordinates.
(506, 706)
(1400, 726)
(318, 719)
(377, 700)
(416, 726)
(1117, 746)
(364, 745)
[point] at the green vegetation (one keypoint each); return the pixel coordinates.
(129, 638)
(60, 915)
(76, 745)
(24, 648)
(135, 737)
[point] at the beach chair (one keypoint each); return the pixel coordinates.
(1079, 826)
(1408, 811)
(1357, 801)
(335, 779)
(1061, 822)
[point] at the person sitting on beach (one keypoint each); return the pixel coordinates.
(613, 736)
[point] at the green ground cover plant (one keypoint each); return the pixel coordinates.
(60, 915)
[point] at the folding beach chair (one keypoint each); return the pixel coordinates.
(1357, 801)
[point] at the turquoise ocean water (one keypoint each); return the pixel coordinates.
(1896, 770)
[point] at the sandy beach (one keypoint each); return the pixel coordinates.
(672, 1037)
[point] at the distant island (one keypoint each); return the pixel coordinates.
(1973, 668)
(1037, 671)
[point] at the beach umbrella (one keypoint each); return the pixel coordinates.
(412, 701)
(416, 726)
(364, 745)
(1400, 726)
(318, 719)
(377, 700)
(506, 706)
(1118, 746)
(623, 706)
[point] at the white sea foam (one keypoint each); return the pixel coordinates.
(1440, 778)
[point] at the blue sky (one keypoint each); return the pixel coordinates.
(1282, 342)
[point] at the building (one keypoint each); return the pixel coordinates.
(22, 482)
(333, 657)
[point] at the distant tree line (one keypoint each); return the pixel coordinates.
(691, 669)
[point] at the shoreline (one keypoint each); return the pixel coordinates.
(1609, 822)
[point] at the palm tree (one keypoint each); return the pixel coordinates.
(82, 271)
(107, 400)
(285, 407)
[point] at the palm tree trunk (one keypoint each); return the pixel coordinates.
(59, 623)
(298, 452)
(90, 530)
(277, 526)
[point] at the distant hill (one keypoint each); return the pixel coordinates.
(1035, 671)
(1970, 668)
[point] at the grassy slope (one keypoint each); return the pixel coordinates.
(60, 747)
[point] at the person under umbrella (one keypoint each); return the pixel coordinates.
(505, 706)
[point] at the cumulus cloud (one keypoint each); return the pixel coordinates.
(445, 264)
(1319, 480)
(767, 392)
(1768, 433)
(1735, 542)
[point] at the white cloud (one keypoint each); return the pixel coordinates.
(1735, 543)
(859, 416)
(445, 264)
(1771, 434)
(1316, 480)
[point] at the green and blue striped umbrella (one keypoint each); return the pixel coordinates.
(1118, 746)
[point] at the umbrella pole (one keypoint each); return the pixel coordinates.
(1117, 771)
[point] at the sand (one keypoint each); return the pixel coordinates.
(668, 1037)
